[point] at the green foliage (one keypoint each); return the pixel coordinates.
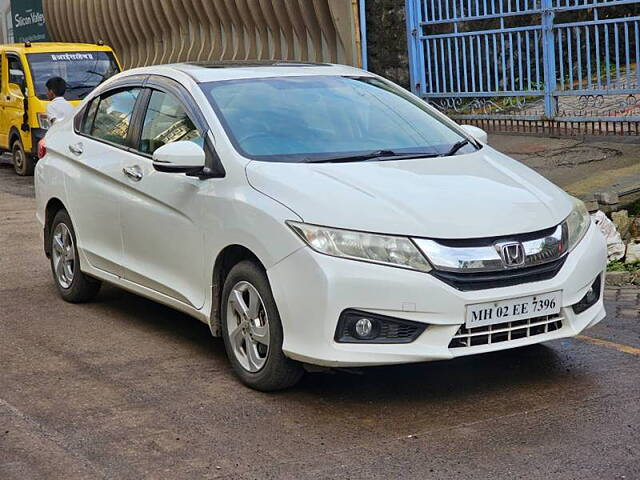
(633, 208)
(618, 266)
(387, 40)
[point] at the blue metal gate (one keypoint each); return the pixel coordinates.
(528, 60)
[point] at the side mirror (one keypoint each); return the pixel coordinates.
(179, 157)
(477, 133)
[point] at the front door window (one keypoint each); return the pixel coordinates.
(166, 121)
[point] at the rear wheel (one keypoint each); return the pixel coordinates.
(73, 285)
(23, 163)
(252, 331)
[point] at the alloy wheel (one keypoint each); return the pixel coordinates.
(248, 326)
(64, 255)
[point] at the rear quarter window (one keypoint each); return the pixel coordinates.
(88, 115)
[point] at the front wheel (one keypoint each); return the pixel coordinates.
(23, 164)
(252, 331)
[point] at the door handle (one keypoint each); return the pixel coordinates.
(76, 149)
(134, 173)
(8, 97)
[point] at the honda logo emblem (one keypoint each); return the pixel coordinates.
(511, 253)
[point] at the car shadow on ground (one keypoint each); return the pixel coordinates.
(12, 183)
(442, 380)
(514, 369)
(161, 321)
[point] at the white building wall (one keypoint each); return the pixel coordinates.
(6, 35)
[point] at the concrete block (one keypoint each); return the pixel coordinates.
(619, 279)
(633, 251)
(590, 202)
(621, 220)
(607, 197)
(607, 209)
(592, 205)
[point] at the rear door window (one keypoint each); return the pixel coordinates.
(113, 116)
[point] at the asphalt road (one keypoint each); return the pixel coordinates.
(126, 389)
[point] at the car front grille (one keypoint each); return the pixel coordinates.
(505, 332)
(506, 278)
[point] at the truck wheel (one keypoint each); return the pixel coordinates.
(23, 163)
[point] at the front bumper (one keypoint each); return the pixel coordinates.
(311, 290)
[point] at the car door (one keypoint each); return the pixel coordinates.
(4, 130)
(12, 97)
(97, 151)
(163, 239)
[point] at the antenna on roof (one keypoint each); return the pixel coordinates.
(100, 43)
(27, 43)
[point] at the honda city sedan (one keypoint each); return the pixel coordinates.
(312, 214)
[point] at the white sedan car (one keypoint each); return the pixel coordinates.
(312, 214)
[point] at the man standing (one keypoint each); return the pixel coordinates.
(58, 109)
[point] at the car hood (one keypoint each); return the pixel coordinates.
(482, 194)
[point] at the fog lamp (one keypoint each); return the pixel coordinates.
(356, 326)
(590, 298)
(364, 328)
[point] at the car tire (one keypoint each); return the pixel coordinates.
(73, 285)
(253, 339)
(23, 163)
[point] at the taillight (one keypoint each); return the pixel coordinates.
(42, 149)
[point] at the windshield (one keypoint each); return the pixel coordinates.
(83, 71)
(301, 119)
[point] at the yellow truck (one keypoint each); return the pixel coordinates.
(24, 71)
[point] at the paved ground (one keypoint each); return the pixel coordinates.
(123, 388)
(578, 166)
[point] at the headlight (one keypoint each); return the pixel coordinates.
(43, 121)
(576, 224)
(368, 247)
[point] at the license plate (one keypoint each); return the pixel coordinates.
(513, 309)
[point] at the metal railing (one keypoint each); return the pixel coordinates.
(538, 61)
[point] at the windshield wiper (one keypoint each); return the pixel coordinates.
(376, 155)
(103, 75)
(455, 147)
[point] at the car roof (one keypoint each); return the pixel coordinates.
(202, 72)
(43, 47)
